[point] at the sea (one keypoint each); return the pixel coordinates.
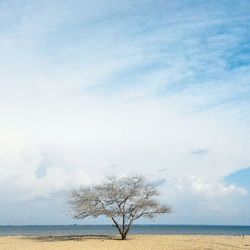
(64, 230)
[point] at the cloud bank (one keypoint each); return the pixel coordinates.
(95, 88)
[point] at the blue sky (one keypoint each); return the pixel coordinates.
(91, 88)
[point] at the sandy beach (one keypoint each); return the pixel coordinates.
(146, 242)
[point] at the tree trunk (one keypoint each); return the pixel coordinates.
(124, 236)
(122, 230)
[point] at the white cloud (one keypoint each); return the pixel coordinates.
(210, 188)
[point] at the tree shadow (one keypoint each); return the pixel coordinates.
(71, 238)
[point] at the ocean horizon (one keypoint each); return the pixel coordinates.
(146, 229)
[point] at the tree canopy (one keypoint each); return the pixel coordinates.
(123, 200)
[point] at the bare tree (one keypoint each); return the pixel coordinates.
(123, 200)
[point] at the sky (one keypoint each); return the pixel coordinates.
(94, 88)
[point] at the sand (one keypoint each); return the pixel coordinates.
(147, 242)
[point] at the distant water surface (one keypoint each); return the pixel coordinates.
(110, 230)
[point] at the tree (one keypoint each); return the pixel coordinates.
(123, 200)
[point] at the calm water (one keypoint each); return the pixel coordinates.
(137, 229)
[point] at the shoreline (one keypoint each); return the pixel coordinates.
(117, 235)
